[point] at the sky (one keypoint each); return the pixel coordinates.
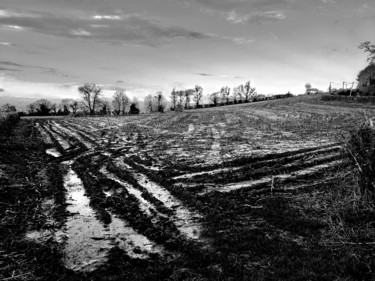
(50, 47)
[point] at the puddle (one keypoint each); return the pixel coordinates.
(53, 152)
(86, 241)
(134, 244)
(184, 219)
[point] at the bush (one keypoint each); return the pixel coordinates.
(360, 99)
(8, 121)
(179, 108)
(361, 148)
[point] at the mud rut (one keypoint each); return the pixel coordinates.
(133, 185)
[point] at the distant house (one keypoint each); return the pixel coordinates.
(366, 80)
(312, 91)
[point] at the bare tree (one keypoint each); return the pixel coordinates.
(120, 102)
(215, 98)
(238, 93)
(149, 103)
(69, 103)
(249, 91)
(124, 103)
(159, 98)
(173, 97)
(369, 48)
(188, 93)
(105, 106)
(181, 94)
(90, 94)
(198, 94)
(31, 108)
(226, 94)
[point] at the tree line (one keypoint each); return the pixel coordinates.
(92, 102)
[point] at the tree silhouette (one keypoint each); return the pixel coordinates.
(368, 48)
(90, 94)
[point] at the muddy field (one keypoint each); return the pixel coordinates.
(229, 193)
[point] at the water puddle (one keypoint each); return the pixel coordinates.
(185, 220)
(86, 241)
(53, 152)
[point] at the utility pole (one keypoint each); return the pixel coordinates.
(351, 90)
(330, 87)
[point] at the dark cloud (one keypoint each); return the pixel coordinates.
(8, 69)
(4, 65)
(219, 76)
(9, 63)
(2, 90)
(114, 28)
(204, 74)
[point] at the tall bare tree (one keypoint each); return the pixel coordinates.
(215, 98)
(90, 94)
(181, 94)
(173, 98)
(159, 98)
(369, 48)
(188, 94)
(149, 103)
(198, 94)
(120, 102)
(249, 91)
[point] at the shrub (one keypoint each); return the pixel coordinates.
(361, 148)
(179, 108)
(8, 121)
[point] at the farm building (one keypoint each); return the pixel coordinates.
(366, 80)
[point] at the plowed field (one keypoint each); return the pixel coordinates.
(228, 193)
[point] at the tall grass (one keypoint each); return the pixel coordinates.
(361, 149)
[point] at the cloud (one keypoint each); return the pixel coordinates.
(12, 27)
(113, 28)
(219, 76)
(2, 90)
(80, 32)
(5, 44)
(246, 11)
(4, 65)
(255, 17)
(204, 74)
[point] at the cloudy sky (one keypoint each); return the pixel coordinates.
(48, 47)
